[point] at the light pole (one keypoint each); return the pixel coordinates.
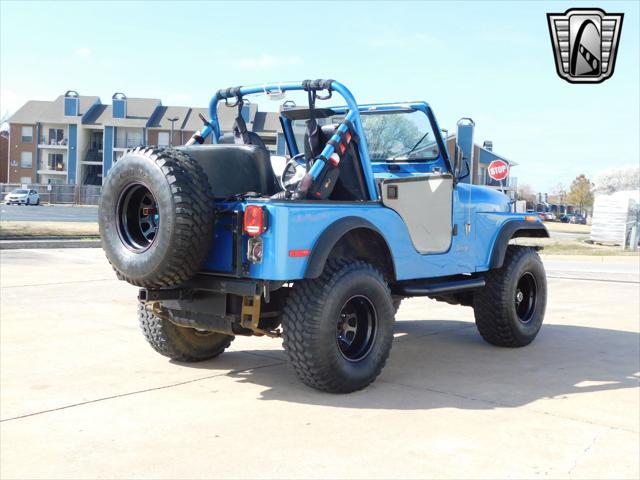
(172, 120)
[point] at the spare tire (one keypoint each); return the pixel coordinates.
(156, 217)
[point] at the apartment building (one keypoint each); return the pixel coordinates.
(44, 139)
(76, 139)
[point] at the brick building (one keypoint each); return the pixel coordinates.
(4, 156)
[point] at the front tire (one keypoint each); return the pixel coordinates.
(509, 310)
(180, 343)
(338, 328)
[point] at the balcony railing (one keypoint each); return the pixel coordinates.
(54, 142)
(128, 143)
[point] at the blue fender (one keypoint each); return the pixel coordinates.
(513, 229)
(332, 235)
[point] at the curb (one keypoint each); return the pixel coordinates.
(47, 243)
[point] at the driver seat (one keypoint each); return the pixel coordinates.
(350, 185)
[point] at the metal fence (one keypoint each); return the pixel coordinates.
(69, 194)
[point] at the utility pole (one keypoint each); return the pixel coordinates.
(172, 120)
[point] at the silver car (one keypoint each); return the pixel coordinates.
(22, 196)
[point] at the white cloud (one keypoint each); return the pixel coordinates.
(265, 61)
(83, 52)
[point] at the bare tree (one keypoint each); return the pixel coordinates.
(3, 120)
(390, 134)
(525, 192)
(612, 181)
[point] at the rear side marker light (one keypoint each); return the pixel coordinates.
(255, 220)
(299, 253)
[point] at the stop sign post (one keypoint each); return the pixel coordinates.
(498, 170)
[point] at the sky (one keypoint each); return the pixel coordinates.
(491, 61)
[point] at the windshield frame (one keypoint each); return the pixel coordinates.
(443, 155)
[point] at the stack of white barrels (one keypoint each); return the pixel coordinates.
(616, 218)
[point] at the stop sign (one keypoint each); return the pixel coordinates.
(498, 170)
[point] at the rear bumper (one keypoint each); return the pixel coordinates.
(211, 284)
(214, 303)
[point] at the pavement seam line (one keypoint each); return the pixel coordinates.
(506, 405)
(582, 454)
(146, 390)
(594, 280)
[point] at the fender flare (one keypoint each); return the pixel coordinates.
(513, 229)
(331, 236)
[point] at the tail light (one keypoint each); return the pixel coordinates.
(255, 220)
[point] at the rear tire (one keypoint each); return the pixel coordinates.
(338, 328)
(509, 310)
(156, 217)
(180, 343)
(396, 300)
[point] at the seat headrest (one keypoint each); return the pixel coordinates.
(327, 131)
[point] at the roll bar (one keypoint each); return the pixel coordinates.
(353, 115)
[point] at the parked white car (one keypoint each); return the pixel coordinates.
(22, 196)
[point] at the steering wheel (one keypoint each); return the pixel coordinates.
(293, 172)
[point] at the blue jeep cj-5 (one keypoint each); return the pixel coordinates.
(366, 210)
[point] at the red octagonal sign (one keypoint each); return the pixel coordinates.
(498, 170)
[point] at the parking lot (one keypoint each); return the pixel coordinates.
(48, 213)
(83, 395)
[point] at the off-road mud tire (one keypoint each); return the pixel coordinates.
(180, 343)
(494, 305)
(310, 322)
(186, 217)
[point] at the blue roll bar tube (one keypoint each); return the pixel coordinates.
(353, 115)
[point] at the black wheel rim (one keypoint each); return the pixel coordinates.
(138, 217)
(356, 328)
(525, 297)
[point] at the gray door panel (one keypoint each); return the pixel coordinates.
(425, 204)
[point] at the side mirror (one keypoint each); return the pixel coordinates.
(460, 164)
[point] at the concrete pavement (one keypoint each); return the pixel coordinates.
(83, 396)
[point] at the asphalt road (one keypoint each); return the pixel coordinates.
(83, 395)
(48, 213)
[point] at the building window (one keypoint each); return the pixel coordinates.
(26, 160)
(27, 134)
(25, 180)
(163, 139)
(55, 161)
(482, 176)
(56, 137)
(128, 138)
